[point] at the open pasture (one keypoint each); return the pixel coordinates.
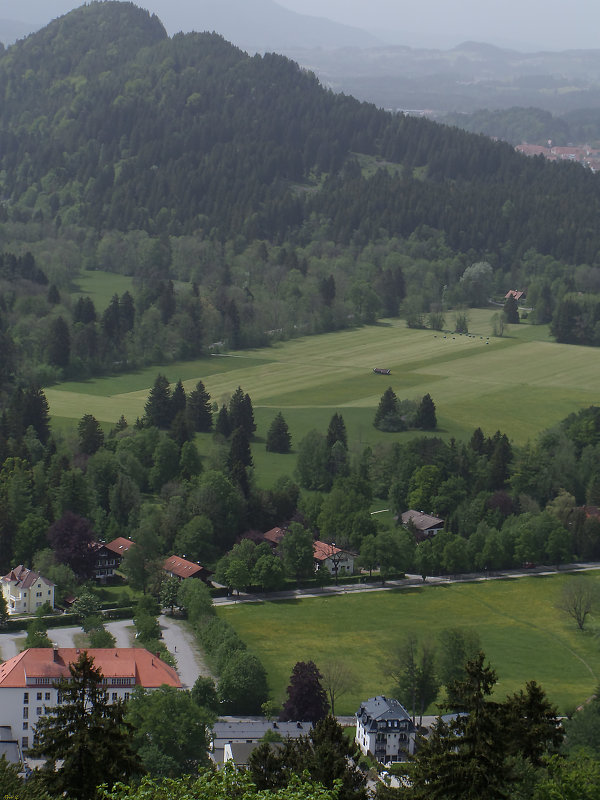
(524, 636)
(520, 384)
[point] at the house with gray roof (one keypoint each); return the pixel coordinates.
(244, 730)
(384, 730)
(424, 525)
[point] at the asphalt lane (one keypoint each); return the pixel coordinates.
(406, 582)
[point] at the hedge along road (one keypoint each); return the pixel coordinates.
(409, 580)
(179, 642)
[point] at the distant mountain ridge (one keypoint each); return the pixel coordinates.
(254, 25)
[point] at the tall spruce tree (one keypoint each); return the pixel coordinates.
(337, 431)
(59, 343)
(278, 436)
(158, 408)
(426, 418)
(199, 410)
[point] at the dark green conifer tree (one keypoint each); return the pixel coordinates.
(223, 424)
(278, 436)
(426, 418)
(158, 408)
(59, 343)
(337, 431)
(199, 410)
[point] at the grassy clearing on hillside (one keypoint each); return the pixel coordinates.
(523, 634)
(520, 384)
(101, 286)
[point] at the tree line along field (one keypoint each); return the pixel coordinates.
(520, 384)
(523, 634)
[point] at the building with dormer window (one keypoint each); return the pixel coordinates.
(25, 590)
(384, 730)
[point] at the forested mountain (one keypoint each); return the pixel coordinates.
(288, 207)
(108, 123)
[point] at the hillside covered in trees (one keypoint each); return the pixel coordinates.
(246, 200)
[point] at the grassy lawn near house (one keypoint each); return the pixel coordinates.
(519, 384)
(523, 634)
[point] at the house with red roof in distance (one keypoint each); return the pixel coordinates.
(333, 559)
(274, 536)
(518, 295)
(27, 681)
(25, 590)
(109, 556)
(181, 568)
(424, 525)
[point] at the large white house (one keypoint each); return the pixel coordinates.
(25, 590)
(27, 690)
(384, 730)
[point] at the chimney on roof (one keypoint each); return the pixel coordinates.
(55, 652)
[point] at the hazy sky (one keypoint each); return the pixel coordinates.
(523, 24)
(552, 24)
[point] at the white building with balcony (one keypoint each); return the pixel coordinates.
(384, 730)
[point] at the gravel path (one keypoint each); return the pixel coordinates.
(180, 642)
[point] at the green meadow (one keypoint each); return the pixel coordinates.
(521, 383)
(523, 634)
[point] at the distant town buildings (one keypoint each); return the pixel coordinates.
(582, 154)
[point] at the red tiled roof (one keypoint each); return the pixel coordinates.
(323, 551)
(142, 666)
(275, 535)
(25, 577)
(514, 293)
(183, 568)
(119, 546)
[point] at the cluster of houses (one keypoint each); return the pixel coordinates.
(384, 729)
(582, 154)
(26, 590)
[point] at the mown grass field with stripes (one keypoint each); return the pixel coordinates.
(520, 384)
(523, 634)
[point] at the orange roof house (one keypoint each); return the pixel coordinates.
(332, 558)
(274, 536)
(181, 568)
(27, 681)
(108, 557)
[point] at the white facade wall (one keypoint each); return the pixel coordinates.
(22, 707)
